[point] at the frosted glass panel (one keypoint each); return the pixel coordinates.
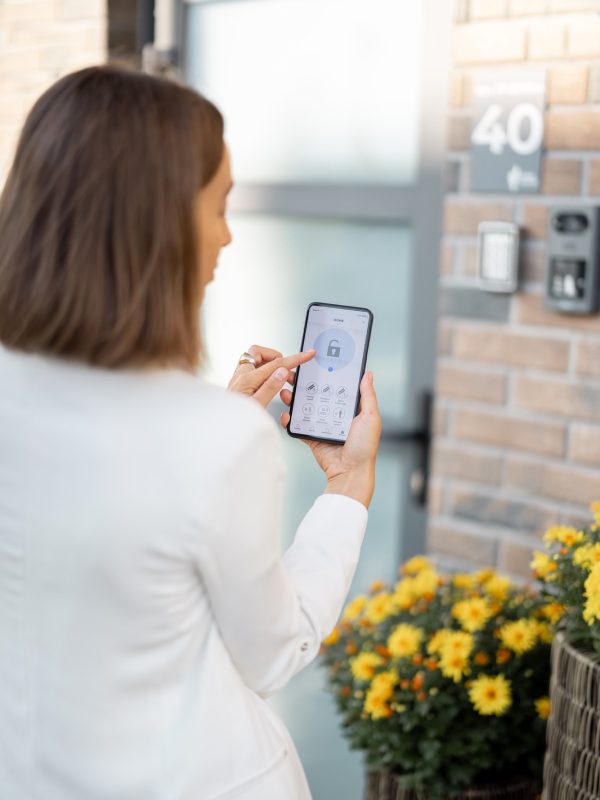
(276, 266)
(312, 90)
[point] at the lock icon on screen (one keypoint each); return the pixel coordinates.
(333, 351)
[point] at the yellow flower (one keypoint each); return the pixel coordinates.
(484, 575)
(564, 535)
(376, 705)
(379, 607)
(333, 637)
(519, 636)
(541, 565)
(403, 595)
(376, 586)
(463, 581)
(425, 583)
(553, 612)
(491, 694)
(363, 665)
(405, 640)
(587, 555)
(497, 586)
(454, 654)
(472, 614)
(591, 611)
(355, 607)
(454, 665)
(383, 683)
(543, 631)
(437, 640)
(415, 565)
(542, 707)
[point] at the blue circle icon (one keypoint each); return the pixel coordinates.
(335, 349)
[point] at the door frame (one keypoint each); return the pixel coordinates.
(419, 206)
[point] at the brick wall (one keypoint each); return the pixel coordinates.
(41, 40)
(517, 415)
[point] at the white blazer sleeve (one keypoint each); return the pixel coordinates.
(273, 609)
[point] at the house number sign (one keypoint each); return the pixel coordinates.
(507, 132)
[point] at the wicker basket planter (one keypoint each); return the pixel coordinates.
(572, 761)
(384, 786)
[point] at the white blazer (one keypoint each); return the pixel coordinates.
(146, 608)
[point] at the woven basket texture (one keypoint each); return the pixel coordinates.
(572, 760)
(384, 786)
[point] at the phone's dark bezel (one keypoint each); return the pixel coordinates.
(362, 370)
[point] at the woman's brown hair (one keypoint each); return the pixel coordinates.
(99, 256)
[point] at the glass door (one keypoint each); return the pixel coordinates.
(332, 113)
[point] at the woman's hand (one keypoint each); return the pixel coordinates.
(272, 372)
(350, 468)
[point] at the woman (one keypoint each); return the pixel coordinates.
(146, 610)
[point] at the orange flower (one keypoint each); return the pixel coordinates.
(481, 659)
(417, 659)
(364, 623)
(351, 648)
(376, 586)
(431, 663)
(345, 691)
(421, 696)
(503, 655)
(417, 682)
(382, 650)
(404, 683)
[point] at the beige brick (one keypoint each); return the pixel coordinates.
(460, 10)
(458, 132)
(568, 84)
(435, 497)
(491, 509)
(546, 438)
(490, 344)
(515, 558)
(583, 36)
(572, 130)
(530, 310)
(547, 39)
(535, 221)
(556, 481)
(584, 444)
(444, 337)
(446, 539)
(447, 258)
(80, 9)
(587, 357)
(26, 11)
(463, 218)
(450, 461)
(557, 397)
(518, 8)
(561, 176)
(468, 261)
(439, 421)
(594, 184)
(469, 384)
(456, 98)
(572, 5)
(486, 42)
(487, 9)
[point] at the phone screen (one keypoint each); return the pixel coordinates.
(326, 391)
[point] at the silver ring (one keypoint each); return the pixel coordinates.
(247, 358)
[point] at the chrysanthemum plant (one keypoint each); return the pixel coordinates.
(570, 574)
(444, 679)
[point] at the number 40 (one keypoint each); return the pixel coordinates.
(490, 131)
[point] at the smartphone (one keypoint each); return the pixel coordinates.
(326, 392)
